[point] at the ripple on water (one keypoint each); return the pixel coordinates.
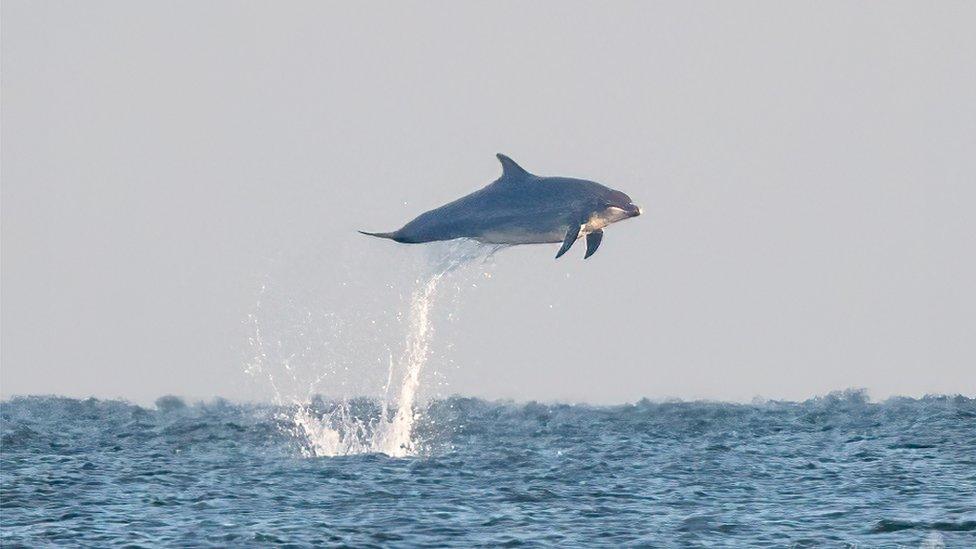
(89, 472)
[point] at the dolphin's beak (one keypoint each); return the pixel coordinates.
(634, 210)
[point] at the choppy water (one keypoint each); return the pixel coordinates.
(826, 472)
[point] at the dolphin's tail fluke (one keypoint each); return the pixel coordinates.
(391, 236)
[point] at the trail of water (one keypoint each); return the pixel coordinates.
(394, 438)
(339, 430)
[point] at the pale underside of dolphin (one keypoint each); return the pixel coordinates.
(522, 208)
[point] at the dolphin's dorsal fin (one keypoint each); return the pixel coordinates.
(510, 168)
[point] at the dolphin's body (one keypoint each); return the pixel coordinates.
(521, 208)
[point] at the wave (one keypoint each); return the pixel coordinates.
(838, 470)
(53, 422)
(885, 525)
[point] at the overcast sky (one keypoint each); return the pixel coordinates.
(807, 172)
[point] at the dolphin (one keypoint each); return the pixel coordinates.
(522, 208)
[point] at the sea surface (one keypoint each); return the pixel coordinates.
(835, 471)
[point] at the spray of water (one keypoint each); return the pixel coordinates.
(386, 424)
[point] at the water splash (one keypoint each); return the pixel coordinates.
(395, 436)
(345, 427)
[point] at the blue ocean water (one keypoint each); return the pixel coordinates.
(832, 471)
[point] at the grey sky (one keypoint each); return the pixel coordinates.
(807, 171)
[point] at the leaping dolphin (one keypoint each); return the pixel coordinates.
(522, 208)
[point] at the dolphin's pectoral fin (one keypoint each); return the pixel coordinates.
(571, 235)
(593, 242)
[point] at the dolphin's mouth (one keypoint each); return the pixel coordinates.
(634, 210)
